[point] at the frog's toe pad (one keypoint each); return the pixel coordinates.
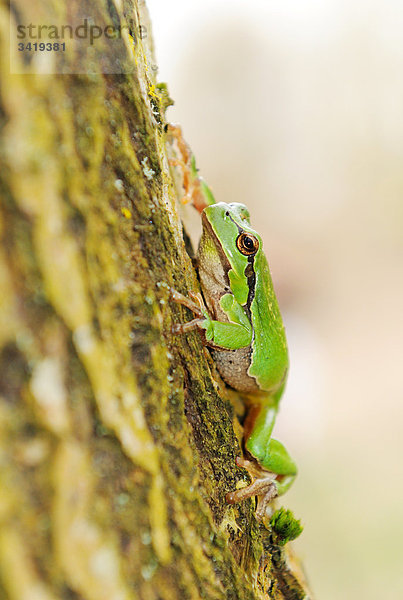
(262, 486)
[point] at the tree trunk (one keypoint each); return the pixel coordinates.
(117, 446)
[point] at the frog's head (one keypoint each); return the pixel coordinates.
(229, 240)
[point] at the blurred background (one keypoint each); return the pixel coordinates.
(296, 109)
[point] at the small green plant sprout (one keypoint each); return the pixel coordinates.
(285, 527)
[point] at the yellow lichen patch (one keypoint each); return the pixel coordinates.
(126, 213)
(148, 172)
(229, 522)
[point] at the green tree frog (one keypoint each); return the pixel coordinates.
(240, 321)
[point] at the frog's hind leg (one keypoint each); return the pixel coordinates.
(262, 486)
(195, 304)
(272, 469)
(176, 132)
(193, 185)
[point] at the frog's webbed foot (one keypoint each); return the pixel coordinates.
(262, 486)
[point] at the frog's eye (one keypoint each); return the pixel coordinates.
(247, 244)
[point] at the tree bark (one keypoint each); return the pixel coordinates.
(117, 444)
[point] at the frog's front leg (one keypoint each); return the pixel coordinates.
(195, 304)
(230, 335)
(272, 470)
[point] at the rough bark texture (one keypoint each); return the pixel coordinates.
(116, 445)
